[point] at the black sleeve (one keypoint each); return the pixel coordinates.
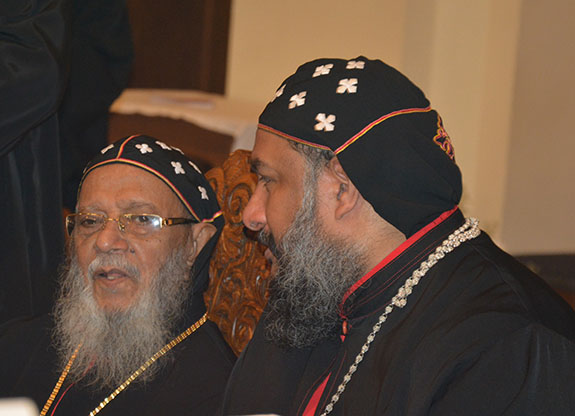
(529, 372)
(32, 43)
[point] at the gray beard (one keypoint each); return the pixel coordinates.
(314, 271)
(116, 343)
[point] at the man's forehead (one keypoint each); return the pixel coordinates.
(132, 205)
(271, 150)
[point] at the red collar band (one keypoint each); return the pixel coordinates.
(395, 253)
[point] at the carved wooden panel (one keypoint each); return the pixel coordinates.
(239, 271)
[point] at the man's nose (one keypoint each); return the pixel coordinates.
(254, 216)
(110, 238)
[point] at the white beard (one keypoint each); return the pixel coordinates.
(116, 343)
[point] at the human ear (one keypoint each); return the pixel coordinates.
(346, 194)
(201, 234)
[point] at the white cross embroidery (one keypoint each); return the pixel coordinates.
(163, 145)
(178, 168)
(144, 148)
(324, 123)
(297, 99)
(322, 70)
(347, 85)
(355, 65)
(105, 149)
(192, 164)
(175, 148)
(279, 92)
(203, 192)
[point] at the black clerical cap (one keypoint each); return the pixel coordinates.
(388, 139)
(170, 165)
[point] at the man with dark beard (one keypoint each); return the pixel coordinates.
(385, 300)
(129, 333)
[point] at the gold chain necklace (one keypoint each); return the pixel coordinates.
(134, 375)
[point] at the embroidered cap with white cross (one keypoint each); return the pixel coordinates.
(176, 170)
(347, 85)
(377, 122)
(322, 70)
(144, 148)
(324, 123)
(297, 100)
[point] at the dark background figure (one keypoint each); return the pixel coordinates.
(57, 62)
(100, 65)
(33, 61)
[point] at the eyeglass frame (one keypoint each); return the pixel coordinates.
(164, 222)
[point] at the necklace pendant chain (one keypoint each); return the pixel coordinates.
(132, 377)
(469, 230)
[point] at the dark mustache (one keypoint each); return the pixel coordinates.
(268, 240)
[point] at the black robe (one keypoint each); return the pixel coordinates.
(192, 382)
(62, 62)
(480, 335)
(33, 61)
(100, 66)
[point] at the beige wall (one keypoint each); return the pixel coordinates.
(539, 212)
(464, 55)
(269, 39)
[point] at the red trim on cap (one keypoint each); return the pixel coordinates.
(292, 138)
(154, 172)
(400, 249)
(314, 401)
(216, 215)
(376, 122)
(124, 145)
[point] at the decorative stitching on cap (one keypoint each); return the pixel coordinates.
(144, 148)
(324, 122)
(154, 172)
(348, 85)
(378, 121)
(292, 138)
(355, 65)
(442, 139)
(124, 145)
(322, 70)
(297, 100)
(105, 149)
(279, 92)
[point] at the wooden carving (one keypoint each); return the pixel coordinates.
(239, 272)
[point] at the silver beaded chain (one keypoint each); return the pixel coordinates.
(469, 230)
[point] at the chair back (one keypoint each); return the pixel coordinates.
(239, 273)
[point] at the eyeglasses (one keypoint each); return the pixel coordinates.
(87, 224)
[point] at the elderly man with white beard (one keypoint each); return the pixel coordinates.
(129, 334)
(385, 299)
